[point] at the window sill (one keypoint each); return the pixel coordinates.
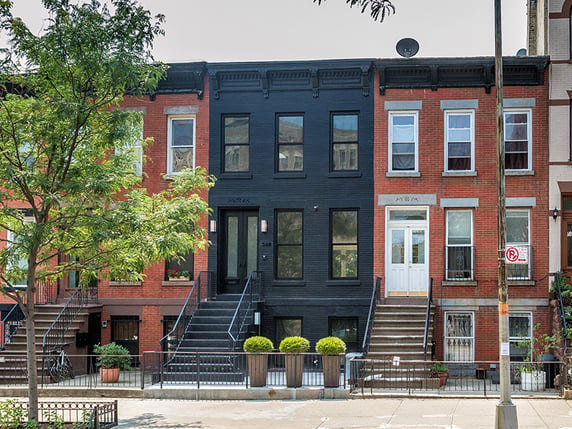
(459, 173)
(519, 172)
(521, 283)
(471, 283)
(120, 283)
(403, 174)
(290, 175)
(343, 174)
(176, 283)
(342, 282)
(289, 283)
(242, 176)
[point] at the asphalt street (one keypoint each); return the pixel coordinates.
(385, 413)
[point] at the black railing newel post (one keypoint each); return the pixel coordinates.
(198, 359)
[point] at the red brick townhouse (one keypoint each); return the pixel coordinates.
(435, 188)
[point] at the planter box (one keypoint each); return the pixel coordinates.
(294, 369)
(331, 366)
(533, 381)
(257, 369)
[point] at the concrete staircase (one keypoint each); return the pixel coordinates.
(396, 345)
(13, 358)
(203, 353)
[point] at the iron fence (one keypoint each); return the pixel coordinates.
(368, 375)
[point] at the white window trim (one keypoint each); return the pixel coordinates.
(455, 112)
(530, 327)
(470, 244)
(391, 115)
(170, 120)
(446, 337)
(528, 113)
(528, 243)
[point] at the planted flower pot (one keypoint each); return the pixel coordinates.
(111, 358)
(331, 349)
(293, 347)
(257, 348)
(109, 375)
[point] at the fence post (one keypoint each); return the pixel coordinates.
(198, 370)
(143, 371)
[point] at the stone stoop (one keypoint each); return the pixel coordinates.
(396, 345)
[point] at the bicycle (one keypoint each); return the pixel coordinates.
(59, 364)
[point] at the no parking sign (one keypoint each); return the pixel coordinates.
(517, 254)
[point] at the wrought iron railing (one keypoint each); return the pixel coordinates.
(55, 334)
(428, 318)
(172, 341)
(558, 279)
(459, 263)
(371, 315)
(9, 324)
(244, 309)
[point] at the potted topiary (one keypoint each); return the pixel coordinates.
(293, 347)
(331, 348)
(258, 348)
(438, 369)
(111, 359)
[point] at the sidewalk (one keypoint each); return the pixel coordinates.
(386, 413)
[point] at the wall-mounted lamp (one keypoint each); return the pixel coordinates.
(554, 214)
(263, 226)
(212, 226)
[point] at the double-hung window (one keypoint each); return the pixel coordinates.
(519, 250)
(459, 141)
(519, 332)
(518, 139)
(290, 143)
(236, 142)
(289, 245)
(344, 244)
(345, 141)
(180, 144)
(459, 245)
(133, 148)
(403, 142)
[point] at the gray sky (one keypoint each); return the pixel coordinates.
(247, 30)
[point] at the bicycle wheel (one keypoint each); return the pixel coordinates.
(53, 369)
(67, 368)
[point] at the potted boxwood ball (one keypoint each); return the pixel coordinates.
(293, 347)
(331, 348)
(111, 359)
(258, 348)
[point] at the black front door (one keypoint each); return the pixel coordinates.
(240, 249)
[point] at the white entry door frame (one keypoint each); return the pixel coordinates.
(407, 251)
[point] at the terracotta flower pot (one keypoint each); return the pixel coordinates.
(109, 375)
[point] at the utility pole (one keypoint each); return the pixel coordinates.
(506, 417)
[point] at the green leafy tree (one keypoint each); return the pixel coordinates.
(378, 9)
(67, 181)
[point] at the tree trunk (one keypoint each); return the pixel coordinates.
(30, 314)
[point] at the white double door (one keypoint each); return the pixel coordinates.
(407, 252)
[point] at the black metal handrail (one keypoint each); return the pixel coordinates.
(371, 315)
(428, 318)
(558, 295)
(173, 339)
(55, 334)
(244, 309)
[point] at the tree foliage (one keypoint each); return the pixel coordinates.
(378, 9)
(66, 167)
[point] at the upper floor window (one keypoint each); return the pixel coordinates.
(403, 142)
(181, 267)
(134, 148)
(236, 139)
(181, 144)
(344, 244)
(289, 245)
(518, 140)
(518, 236)
(345, 141)
(459, 141)
(290, 143)
(459, 245)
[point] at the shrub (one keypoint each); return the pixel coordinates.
(258, 344)
(331, 346)
(112, 355)
(439, 367)
(294, 344)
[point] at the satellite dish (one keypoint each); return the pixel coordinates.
(407, 47)
(521, 52)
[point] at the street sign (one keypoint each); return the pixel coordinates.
(516, 254)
